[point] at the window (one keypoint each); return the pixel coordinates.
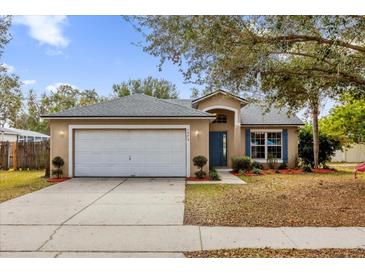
(258, 145)
(266, 145)
(220, 119)
(274, 145)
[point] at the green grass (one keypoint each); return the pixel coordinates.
(17, 183)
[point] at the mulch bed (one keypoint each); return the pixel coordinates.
(278, 253)
(285, 171)
(58, 180)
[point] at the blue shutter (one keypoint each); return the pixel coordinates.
(248, 142)
(285, 145)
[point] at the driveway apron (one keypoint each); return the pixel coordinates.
(138, 201)
(125, 214)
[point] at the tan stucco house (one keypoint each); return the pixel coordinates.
(139, 135)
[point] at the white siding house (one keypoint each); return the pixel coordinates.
(20, 135)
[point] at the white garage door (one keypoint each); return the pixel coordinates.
(130, 152)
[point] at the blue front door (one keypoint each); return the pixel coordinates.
(217, 148)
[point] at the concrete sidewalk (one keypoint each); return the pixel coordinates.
(164, 241)
(226, 178)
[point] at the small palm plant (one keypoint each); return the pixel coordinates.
(58, 163)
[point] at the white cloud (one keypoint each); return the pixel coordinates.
(29, 82)
(45, 29)
(53, 87)
(8, 68)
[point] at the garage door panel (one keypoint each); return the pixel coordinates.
(96, 172)
(106, 156)
(130, 153)
(167, 171)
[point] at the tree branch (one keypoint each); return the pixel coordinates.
(298, 54)
(325, 73)
(306, 38)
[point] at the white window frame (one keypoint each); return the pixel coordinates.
(266, 131)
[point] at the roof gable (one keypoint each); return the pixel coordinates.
(225, 93)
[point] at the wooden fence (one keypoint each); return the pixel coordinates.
(6, 161)
(24, 155)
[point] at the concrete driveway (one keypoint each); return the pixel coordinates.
(29, 222)
(90, 201)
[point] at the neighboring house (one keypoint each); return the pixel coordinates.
(354, 154)
(20, 135)
(139, 135)
(7, 135)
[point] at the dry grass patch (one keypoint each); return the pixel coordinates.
(280, 200)
(17, 183)
(278, 253)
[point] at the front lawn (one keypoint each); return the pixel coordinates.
(278, 253)
(276, 200)
(17, 183)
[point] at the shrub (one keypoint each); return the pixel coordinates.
(200, 174)
(271, 162)
(58, 162)
(307, 168)
(256, 170)
(241, 163)
(200, 162)
(57, 172)
(327, 147)
(257, 165)
(283, 165)
(213, 174)
(241, 172)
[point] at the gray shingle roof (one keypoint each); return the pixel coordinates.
(182, 102)
(140, 105)
(254, 114)
(136, 105)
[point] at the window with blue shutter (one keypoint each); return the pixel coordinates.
(248, 142)
(285, 145)
(267, 144)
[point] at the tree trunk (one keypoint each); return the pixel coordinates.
(315, 113)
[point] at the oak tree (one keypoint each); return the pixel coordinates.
(294, 61)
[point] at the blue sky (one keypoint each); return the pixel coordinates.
(84, 51)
